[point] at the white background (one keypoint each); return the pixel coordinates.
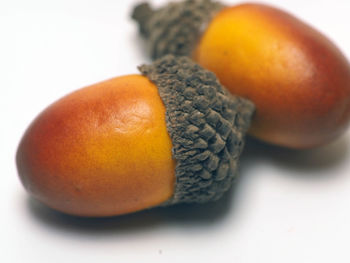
(288, 206)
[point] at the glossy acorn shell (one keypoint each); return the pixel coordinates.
(297, 78)
(100, 151)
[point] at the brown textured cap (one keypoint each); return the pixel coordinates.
(206, 125)
(176, 27)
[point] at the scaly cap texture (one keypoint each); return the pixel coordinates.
(206, 124)
(175, 28)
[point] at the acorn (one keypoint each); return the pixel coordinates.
(171, 135)
(297, 78)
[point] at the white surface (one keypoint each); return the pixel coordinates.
(288, 207)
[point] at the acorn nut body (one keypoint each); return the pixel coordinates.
(297, 78)
(128, 144)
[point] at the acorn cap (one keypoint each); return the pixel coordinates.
(176, 27)
(206, 125)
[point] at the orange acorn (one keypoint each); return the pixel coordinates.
(171, 135)
(297, 78)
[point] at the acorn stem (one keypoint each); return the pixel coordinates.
(142, 13)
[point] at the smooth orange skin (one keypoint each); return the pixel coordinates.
(103, 150)
(298, 79)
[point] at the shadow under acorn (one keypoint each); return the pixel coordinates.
(184, 215)
(305, 162)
